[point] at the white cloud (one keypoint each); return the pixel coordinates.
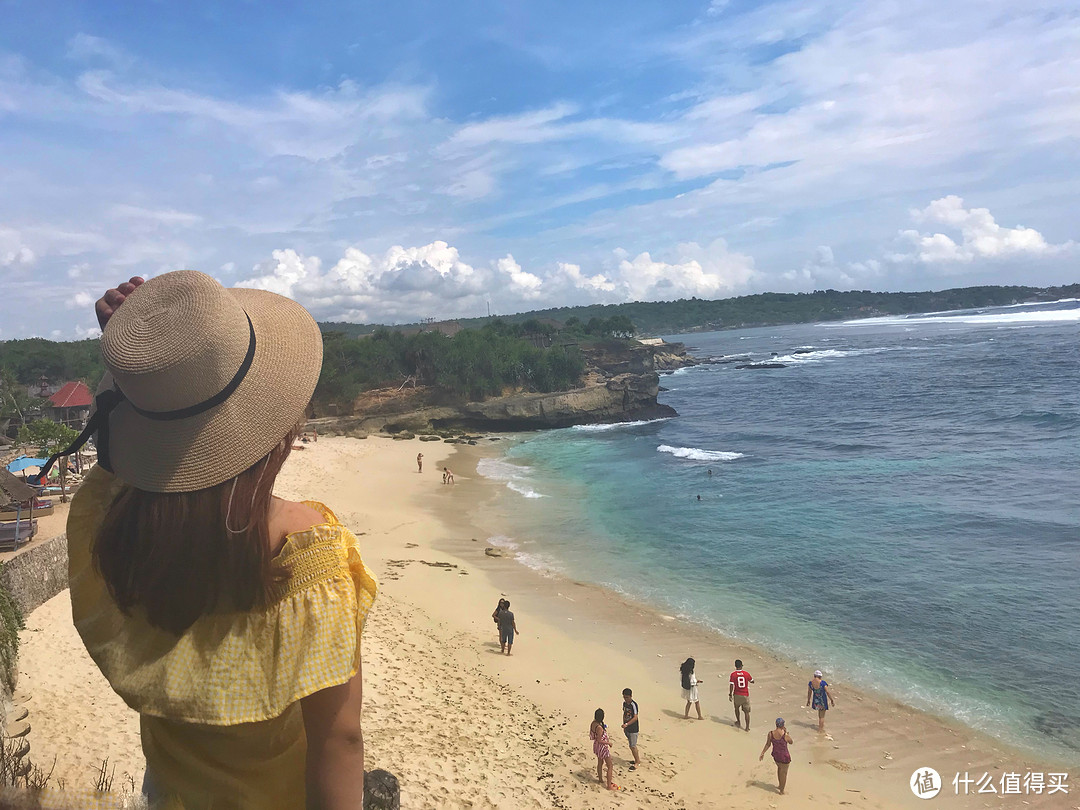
(578, 280)
(81, 300)
(530, 127)
(708, 272)
(822, 271)
(981, 237)
(527, 284)
(86, 47)
(284, 274)
(313, 125)
(13, 248)
(162, 216)
(409, 283)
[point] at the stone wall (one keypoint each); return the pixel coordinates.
(37, 574)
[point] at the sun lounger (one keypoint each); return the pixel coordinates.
(15, 533)
(44, 510)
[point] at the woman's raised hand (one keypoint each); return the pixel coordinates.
(112, 299)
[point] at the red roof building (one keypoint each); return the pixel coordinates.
(72, 395)
(71, 404)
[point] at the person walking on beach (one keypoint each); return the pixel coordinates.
(817, 693)
(630, 724)
(447, 476)
(419, 462)
(690, 687)
(228, 618)
(779, 739)
(601, 746)
(739, 692)
(499, 608)
(507, 627)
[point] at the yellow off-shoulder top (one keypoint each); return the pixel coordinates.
(220, 719)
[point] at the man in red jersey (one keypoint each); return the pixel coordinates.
(739, 692)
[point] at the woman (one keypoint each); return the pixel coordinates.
(602, 748)
(228, 618)
(779, 739)
(817, 692)
(689, 688)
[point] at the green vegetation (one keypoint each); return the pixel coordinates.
(474, 363)
(50, 437)
(29, 359)
(15, 401)
(771, 309)
(532, 351)
(11, 622)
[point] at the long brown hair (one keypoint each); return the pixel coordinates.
(178, 556)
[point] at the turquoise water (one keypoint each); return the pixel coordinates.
(899, 506)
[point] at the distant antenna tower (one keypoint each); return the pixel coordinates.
(489, 309)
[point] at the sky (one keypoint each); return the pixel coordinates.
(386, 162)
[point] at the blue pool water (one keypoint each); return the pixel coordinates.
(900, 506)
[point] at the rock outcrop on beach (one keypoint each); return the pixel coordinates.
(621, 384)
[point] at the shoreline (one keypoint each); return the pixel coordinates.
(955, 746)
(461, 725)
(706, 632)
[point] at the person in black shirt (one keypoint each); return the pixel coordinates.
(630, 724)
(507, 628)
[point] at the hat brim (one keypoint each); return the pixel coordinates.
(201, 451)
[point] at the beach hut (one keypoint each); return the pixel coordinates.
(71, 404)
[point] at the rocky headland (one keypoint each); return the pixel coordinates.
(621, 383)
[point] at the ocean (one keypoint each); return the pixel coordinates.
(899, 506)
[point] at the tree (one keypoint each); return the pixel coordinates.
(620, 326)
(51, 437)
(15, 402)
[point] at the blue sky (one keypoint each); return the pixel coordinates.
(387, 162)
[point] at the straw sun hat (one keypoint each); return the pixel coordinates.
(208, 380)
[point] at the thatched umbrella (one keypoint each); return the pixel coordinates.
(15, 491)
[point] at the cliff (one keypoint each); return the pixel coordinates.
(620, 385)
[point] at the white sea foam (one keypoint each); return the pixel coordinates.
(614, 425)
(523, 490)
(696, 454)
(823, 354)
(515, 476)
(542, 564)
(1037, 317)
(502, 541)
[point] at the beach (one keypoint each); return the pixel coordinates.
(463, 726)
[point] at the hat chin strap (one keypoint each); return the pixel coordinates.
(99, 424)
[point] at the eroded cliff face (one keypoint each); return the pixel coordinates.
(621, 385)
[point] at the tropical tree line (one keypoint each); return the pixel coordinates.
(473, 364)
(772, 309)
